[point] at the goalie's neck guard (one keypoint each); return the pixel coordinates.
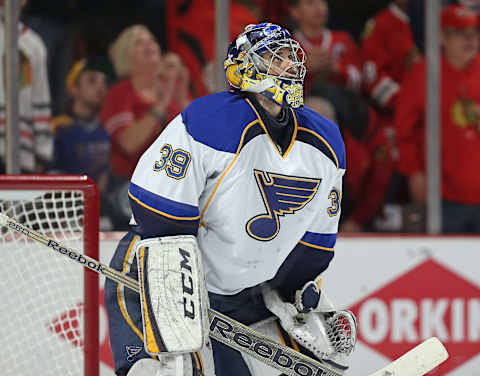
(265, 59)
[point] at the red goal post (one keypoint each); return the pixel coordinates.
(50, 306)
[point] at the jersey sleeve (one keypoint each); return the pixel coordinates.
(41, 105)
(322, 234)
(167, 183)
(349, 64)
(315, 250)
(381, 60)
(379, 84)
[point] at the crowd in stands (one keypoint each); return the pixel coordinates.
(95, 93)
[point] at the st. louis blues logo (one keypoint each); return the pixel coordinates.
(132, 351)
(281, 194)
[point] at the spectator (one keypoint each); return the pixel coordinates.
(152, 90)
(370, 166)
(460, 123)
(275, 11)
(53, 20)
(34, 102)
(191, 34)
(370, 158)
(388, 52)
(82, 146)
(332, 56)
(472, 4)
(322, 106)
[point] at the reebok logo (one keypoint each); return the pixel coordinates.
(223, 331)
(91, 264)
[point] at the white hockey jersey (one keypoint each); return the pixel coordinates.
(35, 137)
(215, 165)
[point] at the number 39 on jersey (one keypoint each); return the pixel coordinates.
(174, 162)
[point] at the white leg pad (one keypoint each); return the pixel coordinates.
(144, 367)
(167, 365)
(172, 285)
(206, 353)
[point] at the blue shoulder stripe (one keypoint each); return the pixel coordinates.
(150, 224)
(318, 142)
(322, 134)
(218, 120)
(324, 242)
(161, 205)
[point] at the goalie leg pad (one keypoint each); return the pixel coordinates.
(172, 290)
(166, 365)
(199, 363)
(144, 367)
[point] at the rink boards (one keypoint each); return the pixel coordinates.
(402, 290)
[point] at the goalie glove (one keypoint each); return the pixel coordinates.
(330, 336)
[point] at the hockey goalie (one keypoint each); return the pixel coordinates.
(255, 179)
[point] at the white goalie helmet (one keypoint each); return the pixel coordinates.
(266, 59)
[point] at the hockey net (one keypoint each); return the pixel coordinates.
(49, 314)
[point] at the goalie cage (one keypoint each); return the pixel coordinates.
(50, 306)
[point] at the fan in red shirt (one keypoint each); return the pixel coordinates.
(152, 90)
(332, 56)
(371, 166)
(191, 34)
(388, 52)
(460, 123)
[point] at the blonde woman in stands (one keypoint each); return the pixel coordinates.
(152, 89)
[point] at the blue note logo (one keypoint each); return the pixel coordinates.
(281, 194)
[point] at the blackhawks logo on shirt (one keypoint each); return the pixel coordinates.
(368, 30)
(24, 70)
(464, 113)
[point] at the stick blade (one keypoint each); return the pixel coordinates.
(418, 361)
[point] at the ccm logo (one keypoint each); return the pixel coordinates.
(187, 284)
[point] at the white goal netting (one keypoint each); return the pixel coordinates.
(41, 292)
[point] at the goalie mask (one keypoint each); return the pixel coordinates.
(266, 59)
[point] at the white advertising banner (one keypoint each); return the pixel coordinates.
(402, 290)
(406, 289)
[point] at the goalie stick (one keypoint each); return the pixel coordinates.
(416, 362)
